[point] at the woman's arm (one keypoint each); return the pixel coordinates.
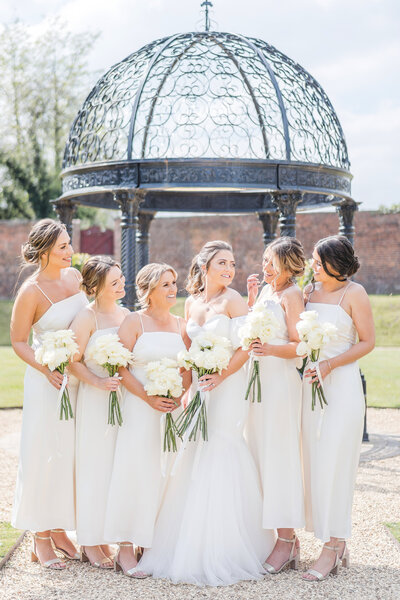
(22, 319)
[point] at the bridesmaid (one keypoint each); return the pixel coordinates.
(47, 301)
(137, 482)
(332, 435)
(273, 429)
(95, 439)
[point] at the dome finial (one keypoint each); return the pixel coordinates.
(206, 3)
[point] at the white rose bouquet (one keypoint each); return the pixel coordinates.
(261, 324)
(314, 335)
(56, 350)
(164, 379)
(209, 353)
(108, 352)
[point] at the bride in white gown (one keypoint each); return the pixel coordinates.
(209, 529)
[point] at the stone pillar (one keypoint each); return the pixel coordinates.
(129, 201)
(66, 211)
(76, 235)
(286, 203)
(346, 209)
(143, 238)
(269, 222)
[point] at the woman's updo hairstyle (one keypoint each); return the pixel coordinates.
(42, 238)
(287, 255)
(147, 280)
(195, 283)
(336, 252)
(94, 273)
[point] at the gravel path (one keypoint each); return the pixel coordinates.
(375, 555)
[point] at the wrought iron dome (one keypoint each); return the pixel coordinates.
(206, 121)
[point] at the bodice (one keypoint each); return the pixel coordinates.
(219, 325)
(59, 316)
(152, 346)
(90, 363)
(346, 334)
(275, 307)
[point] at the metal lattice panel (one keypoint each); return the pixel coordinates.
(207, 95)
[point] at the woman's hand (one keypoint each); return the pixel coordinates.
(162, 404)
(54, 377)
(260, 349)
(109, 384)
(324, 368)
(210, 382)
(252, 288)
(185, 399)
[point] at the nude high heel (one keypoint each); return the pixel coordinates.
(76, 556)
(106, 563)
(292, 562)
(53, 563)
(134, 572)
(345, 558)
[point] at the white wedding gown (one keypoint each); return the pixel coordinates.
(273, 431)
(209, 530)
(332, 435)
(44, 496)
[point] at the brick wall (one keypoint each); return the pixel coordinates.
(176, 240)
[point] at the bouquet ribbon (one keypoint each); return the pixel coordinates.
(315, 365)
(204, 399)
(62, 389)
(164, 455)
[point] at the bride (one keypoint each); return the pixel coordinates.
(209, 529)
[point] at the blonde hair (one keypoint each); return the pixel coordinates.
(148, 278)
(287, 255)
(195, 283)
(94, 273)
(42, 238)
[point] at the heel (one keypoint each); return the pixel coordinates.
(34, 558)
(117, 566)
(294, 564)
(84, 558)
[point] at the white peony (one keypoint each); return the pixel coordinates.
(163, 378)
(108, 350)
(57, 348)
(260, 324)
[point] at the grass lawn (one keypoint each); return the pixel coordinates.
(394, 529)
(379, 368)
(8, 537)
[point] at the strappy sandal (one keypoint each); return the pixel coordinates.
(76, 556)
(345, 558)
(106, 563)
(54, 563)
(134, 572)
(292, 562)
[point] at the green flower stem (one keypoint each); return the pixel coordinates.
(114, 409)
(65, 404)
(254, 386)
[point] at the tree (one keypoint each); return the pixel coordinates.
(43, 82)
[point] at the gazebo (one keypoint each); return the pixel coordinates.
(205, 122)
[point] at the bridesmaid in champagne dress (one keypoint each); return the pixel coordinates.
(47, 301)
(95, 438)
(137, 480)
(273, 428)
(332, 436)
(209, 531)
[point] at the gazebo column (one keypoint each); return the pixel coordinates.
(129, 201)
(286, 203)
(143, 238)
(346, 210)
(269, 222)
(66, 211)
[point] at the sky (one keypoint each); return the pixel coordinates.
(352, 47)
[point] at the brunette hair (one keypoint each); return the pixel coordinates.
(289, 255)
(337, 252)
(94, 273)
(42, 238)
(195, 283)
(148, 278)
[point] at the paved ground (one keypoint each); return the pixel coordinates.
(375, 555)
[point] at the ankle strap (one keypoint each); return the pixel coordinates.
(41, 537)
(333, 548)
(57, 530)
(288, 541)
(125, 545)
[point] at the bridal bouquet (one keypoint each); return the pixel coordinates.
(164, 379)
(108, 352)
(209, 353)
(56, 350)
(261, 324)
(314, 335)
